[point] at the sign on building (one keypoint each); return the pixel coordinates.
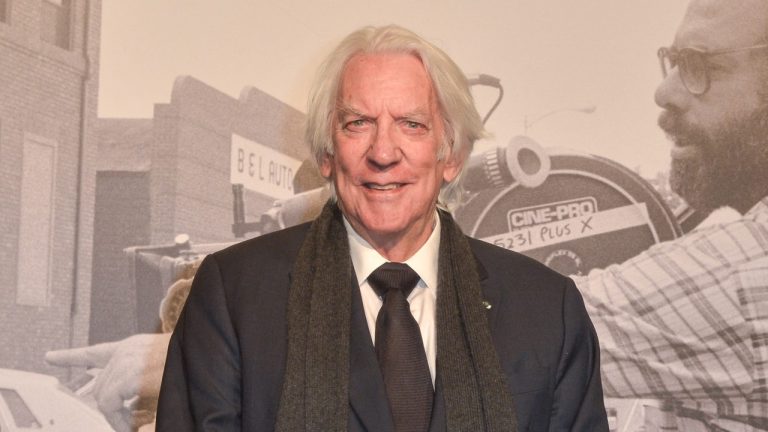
(262, 169)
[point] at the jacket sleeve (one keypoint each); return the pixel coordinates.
(201, 383)
(578, 400)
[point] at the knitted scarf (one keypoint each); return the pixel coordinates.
(315, 395)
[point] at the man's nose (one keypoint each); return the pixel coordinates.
(671, 92)
(384, 150)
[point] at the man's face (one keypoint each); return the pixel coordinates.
(720, 152)
(387, 134)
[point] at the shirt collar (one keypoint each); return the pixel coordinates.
(760, 208)
(365, 259)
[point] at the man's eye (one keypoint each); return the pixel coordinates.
(413, 128)
(410, 124)
(715, 66)
(356, 124)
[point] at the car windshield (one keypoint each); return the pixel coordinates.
(22, 415)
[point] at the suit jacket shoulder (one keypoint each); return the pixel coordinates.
(545, 342)
(497, 260)
(262, 263)
(231, 336)
(276, 248)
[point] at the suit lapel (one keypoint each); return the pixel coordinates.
(491, 294)
(367, 395)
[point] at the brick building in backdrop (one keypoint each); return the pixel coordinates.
(170, 175)
(49, 62)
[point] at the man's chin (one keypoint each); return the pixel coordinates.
(687, 179)
(376, 225)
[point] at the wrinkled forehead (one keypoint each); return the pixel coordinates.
(721, 24)
(387, 72)
(413, 65)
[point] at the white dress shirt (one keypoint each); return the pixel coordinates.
(423, 298)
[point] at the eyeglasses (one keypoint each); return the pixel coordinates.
(692, 64)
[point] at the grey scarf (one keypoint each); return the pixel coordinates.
(315, 394)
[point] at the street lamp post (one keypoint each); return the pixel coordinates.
(528, 124)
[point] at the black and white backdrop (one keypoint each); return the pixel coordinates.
(137, 136)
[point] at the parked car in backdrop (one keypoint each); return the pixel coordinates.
(40, 403)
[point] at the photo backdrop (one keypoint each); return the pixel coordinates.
(136, 137)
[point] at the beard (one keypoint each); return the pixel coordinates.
(730, 167)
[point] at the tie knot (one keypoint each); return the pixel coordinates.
(393, 276)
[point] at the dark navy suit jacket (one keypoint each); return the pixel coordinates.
(226, 358)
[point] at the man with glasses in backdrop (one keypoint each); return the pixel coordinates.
(687, 320)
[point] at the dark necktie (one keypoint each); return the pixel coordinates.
(400, 349)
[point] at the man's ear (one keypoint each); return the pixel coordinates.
(326, 166)
(453, 165)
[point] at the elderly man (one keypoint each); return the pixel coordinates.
(381, 315)
(687, 320)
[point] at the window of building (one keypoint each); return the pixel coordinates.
(56, 22)
(4, 10)
(36, 221)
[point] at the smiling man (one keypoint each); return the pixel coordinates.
(381, 315)
(388, 133)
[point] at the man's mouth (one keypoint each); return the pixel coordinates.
(383, 187)
(679, 141)
(670, 123)
(683, 147)
(684, 152)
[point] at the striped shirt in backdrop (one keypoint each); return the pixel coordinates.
(687, 321)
